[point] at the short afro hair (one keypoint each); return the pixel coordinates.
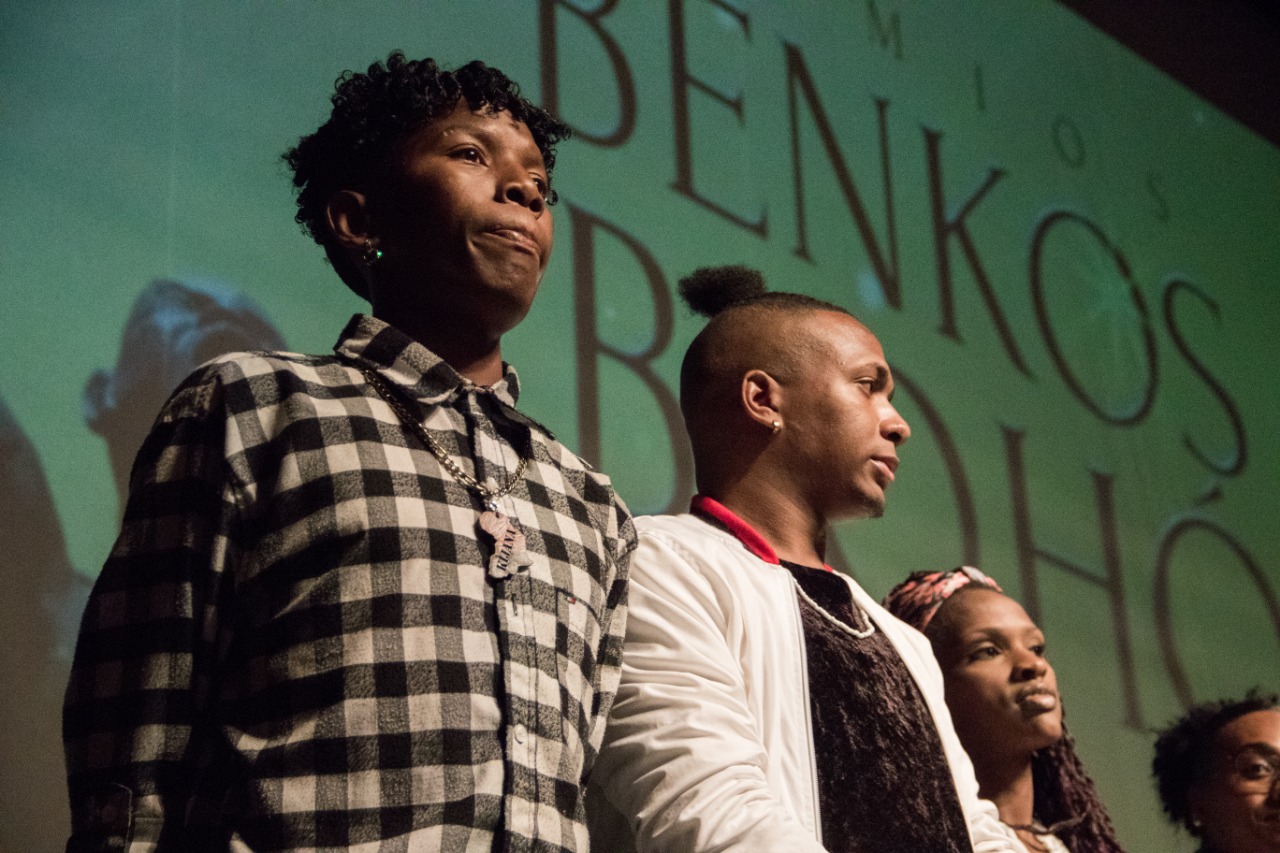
(1182, 749)
(375, 112)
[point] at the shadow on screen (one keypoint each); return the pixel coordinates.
(172, 328)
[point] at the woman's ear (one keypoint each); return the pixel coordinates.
(348, 216)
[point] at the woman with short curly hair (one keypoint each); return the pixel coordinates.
(360, 600)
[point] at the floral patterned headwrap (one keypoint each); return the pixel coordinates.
(917, 598)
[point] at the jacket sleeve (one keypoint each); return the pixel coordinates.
(683, 761)
(142, 664)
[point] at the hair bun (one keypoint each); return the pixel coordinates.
(710, 290)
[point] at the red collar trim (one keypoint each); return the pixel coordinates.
(743, 532)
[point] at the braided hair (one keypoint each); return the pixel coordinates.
(1067, 801)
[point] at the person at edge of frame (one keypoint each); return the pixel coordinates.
(1217, 769)
(360, 601)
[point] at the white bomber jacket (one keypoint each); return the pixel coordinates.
(709, 746)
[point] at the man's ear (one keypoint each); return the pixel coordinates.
(762, 399)
(348, 216)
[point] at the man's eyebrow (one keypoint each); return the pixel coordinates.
(884, 379)
(877, 367)
(883, 376)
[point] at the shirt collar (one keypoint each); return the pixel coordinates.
(400, 359)
(711, 509)
(429, 379)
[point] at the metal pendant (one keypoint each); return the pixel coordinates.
(509, 552)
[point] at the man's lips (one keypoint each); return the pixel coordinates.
(886, 465)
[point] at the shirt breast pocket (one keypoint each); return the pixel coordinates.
(577, 642)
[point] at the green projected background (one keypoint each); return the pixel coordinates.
(1071, 261)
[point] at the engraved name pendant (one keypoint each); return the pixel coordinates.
(509, 554)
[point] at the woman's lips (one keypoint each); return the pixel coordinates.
(1037, 700)
(518, 237)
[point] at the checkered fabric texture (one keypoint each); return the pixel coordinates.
(295, 643)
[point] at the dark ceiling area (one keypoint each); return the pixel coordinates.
(1226, 51)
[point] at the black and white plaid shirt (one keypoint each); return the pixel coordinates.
(295, 643)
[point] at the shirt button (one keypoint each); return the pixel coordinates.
(108, 815)
(521, 733)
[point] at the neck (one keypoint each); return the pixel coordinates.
(477, 355)
(1011, 787)
(795, 535)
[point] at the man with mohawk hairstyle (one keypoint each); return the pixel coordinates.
(767, 702)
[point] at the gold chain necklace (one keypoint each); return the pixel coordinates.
(487, 495)
(509, 552)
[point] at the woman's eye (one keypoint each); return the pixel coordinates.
(469, 154)
(543, 189)
(984, 652)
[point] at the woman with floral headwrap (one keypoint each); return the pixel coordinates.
(1003, 698)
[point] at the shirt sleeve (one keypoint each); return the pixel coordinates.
(613, 631)
(141, 674)
(683, 761)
